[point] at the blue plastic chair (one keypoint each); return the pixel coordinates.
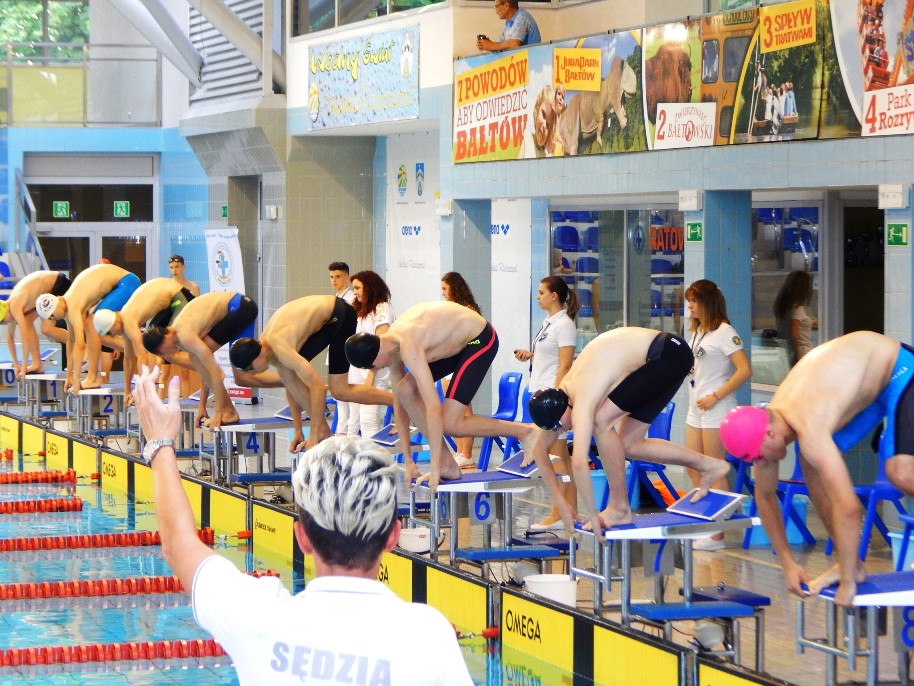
(592, 238)
(512, 445)
(640, 471)
(508, 394)
(881, 490)
(788, 489)
(588, 268)
(566, 237)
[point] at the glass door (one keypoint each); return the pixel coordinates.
(72, 249)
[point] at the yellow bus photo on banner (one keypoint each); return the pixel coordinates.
(645, 662)
(57, 451)
(538, 630)
(9, 433)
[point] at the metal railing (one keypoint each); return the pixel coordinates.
(74, 84)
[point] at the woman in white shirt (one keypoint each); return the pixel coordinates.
(550, 359)
(794, 324)
(721, 366)
(375, 315)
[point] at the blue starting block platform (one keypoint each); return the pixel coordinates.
(486, 493)
(893, 590)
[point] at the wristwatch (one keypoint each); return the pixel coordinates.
(152, 447)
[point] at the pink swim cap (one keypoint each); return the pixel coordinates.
(743, 430)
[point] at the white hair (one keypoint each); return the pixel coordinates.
(347, 485)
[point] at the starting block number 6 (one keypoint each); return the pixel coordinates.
(482, 511)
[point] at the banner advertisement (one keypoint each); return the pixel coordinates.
(413, 236)
(792, 71)
(223, 253)
(364, 80)
(511, 304)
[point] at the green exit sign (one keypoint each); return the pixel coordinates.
(225, 211)
(61, 209)
(121, 209)
(897, 234)
(694, 232)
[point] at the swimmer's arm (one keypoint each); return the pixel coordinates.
(401, 417)
(414, 359)
(304, 383)
(832, 493)
(11, 341)
(582, 422)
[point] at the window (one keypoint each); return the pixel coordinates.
(309, 16)
(625, 265)
(45, 21)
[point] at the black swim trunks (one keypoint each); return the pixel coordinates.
(60, 285)
(332, 335)
(238, 323)
(469, 366)
(648, 389)
(167, 316)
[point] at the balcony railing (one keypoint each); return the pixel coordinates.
(72, 84)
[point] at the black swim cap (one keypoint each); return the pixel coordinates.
(362, 349)
(153, 337)
(243, 353)
(546, 408)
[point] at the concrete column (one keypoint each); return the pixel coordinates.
(899, 259)
(719, 247)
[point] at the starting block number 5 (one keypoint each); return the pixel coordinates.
(482, 511)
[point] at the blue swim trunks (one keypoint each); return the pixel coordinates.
(895, 404)
(120, 294)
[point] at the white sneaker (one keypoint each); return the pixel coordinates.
(464, 462)
(709, 544)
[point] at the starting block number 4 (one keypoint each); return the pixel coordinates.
(482, 511)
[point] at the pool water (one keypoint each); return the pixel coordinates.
(51, 622)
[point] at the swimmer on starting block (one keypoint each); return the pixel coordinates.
(295, 334)
(156, 303)
(433, 340)
(615, 388)
(19, 310)
(204, 325)
(834, 396)
(101, 286)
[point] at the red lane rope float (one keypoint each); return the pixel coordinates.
(74, 504)
(110, 652)
(141, 585)
(46, 477)
(112, 540)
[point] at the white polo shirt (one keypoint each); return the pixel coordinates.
(558, 331)
(339, 630)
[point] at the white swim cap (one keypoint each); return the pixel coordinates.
(46, 304)
(103, 321)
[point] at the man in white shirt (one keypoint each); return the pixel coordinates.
(339, 282)
(345, 627)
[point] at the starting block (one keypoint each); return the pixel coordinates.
(484, 491)
(895, 590)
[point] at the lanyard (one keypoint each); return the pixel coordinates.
(695, 346)
(540, 335)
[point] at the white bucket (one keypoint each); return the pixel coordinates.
(558, 587)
